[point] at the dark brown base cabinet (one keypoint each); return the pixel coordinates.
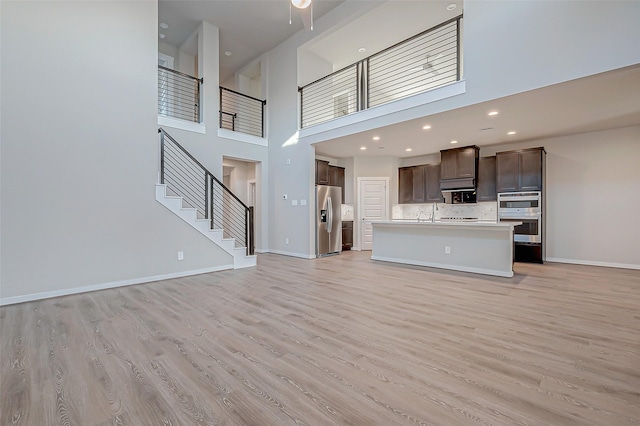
(347, 235)
(521, 170)
(419, 184)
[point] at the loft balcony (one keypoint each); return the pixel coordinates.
(427, 61)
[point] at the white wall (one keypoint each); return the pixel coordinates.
(240, 175)
(80, 152)
(209, 148)
(508, 51)
(168, 50)
(592, 183)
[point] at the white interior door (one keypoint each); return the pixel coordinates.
(373, 204)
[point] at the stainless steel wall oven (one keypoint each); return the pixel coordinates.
(525, 207)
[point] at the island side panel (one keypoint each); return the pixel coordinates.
(485, 250)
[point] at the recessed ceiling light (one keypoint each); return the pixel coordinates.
(376, 138)
(454, 141)
(408, 150)
(452, 6)
(511, 133)
(362, 148)
(427, 127)
(362, 50)
(162, 36)
(493, 113)
(163, 25)
(227, 53)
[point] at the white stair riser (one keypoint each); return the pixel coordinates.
(190, 215)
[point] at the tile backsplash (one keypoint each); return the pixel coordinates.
(347, 212)
(482, 211)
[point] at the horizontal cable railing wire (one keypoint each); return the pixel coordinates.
(423, 62)
(330, 97)
(241, 113)
(186, 177)
(178, 95)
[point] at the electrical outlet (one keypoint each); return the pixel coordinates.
(286, 241)
(287, 161)
(180, 255)
(447, 250)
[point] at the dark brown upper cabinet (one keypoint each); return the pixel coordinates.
(322, 172)
(486, 179)
(459, 167)
(336, 178)
(520, 170)
(433, 194)
(419, 184)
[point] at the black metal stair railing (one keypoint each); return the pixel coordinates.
(423, 62)
(178, 94)
(186, 177)
(241, 113)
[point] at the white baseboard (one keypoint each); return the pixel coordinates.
(261, 250)
(300, 255)
(593, 263)
(105, 286)
(494, 272)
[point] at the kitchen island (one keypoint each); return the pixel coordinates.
(480, 247)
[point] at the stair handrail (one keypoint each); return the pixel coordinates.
(209, 191)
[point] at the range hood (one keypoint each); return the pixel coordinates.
(459, 184)
(459, 168)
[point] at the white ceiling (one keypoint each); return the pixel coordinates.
(594, 103)
(248, 28)
(391, 20)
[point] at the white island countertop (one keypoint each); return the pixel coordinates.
(484, 247)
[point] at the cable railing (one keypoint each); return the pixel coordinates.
(423, 62)
(186, 177)
(178, 95)
(241, 113)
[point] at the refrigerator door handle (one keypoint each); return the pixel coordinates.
(329, 215)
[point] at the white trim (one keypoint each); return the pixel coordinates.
(105, 286)
(593, 263)
(287, 253)
(177, 123)
(444, 266)
(242, 137)
(257, 250)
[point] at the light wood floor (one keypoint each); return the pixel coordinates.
(336, 341)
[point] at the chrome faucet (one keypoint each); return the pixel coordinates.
(434, 208)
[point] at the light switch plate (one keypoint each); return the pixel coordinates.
(294, 202)
(303, 202)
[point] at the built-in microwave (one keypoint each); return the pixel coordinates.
(459, 197)
(525, 207)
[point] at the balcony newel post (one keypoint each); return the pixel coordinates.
(161, 156)
(458, 49)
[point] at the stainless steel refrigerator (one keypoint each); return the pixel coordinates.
(328, 220)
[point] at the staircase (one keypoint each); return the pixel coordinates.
(192, 193)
